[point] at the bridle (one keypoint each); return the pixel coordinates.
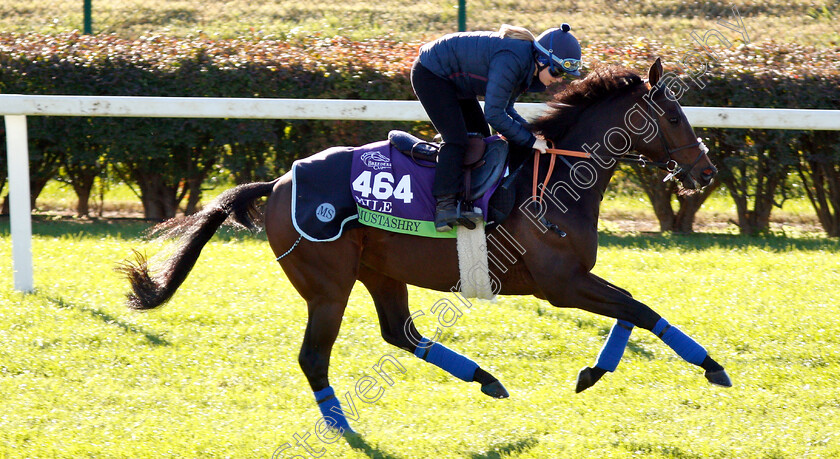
(672, 166)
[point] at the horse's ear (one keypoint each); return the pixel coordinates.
(655, 72)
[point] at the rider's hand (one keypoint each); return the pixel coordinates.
(540, 144)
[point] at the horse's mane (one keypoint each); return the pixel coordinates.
(602, 83)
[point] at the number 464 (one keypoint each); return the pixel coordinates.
(383, 186)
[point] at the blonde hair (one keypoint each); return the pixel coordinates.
(518, 33)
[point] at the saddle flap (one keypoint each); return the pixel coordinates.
(485, 158)
(475, 151)
(413, 146)
(488, 174)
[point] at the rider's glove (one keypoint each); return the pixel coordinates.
(540, 144)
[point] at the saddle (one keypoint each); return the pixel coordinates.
(484, 161)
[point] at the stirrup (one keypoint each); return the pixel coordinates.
(468, 218)
(466, 222)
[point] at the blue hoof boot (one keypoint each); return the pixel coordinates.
(719, 378)
(495, 389)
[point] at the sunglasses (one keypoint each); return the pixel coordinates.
(569, 65)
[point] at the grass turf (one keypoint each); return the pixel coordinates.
(810, 22)
(215, 374)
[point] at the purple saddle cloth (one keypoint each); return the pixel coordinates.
(373, 185)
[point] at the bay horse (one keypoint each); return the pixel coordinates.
(610, 112)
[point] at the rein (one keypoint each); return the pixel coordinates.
(554, 152)
(671, 165)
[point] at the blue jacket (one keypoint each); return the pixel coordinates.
(485, 64)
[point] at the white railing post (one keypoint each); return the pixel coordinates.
(20, 213)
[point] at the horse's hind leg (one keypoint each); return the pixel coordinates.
(390, 297)
(324, 274)
(321, 332)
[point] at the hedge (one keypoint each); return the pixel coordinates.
(166, 160)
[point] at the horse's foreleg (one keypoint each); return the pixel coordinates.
(596, 295)
(608, 358)
(391, 300)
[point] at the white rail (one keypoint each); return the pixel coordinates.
(17, 107)
(372, 110)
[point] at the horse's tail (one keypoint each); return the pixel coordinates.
(152, 289)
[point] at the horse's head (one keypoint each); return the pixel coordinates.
(674, 144)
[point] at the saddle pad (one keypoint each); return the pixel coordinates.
(320, 213)
(393, 192)
(473, 264)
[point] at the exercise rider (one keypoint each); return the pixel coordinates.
(452, 71)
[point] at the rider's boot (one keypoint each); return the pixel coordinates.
(449, 212)
(446, 212)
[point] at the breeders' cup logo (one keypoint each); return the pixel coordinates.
(376, 160)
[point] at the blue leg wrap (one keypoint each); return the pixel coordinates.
(681, 343)
(613, 349)
(437, 354)
(327, 400)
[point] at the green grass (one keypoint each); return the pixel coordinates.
(214, 373)
(798, 21)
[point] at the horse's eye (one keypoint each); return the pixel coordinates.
(673, 120)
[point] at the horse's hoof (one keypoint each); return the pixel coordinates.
(719, 378)
(495, 389)
(586, 379)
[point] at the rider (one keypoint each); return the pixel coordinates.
(453, 70)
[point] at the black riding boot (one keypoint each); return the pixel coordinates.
(449, 212)
(446, 212)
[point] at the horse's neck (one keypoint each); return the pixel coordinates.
(582, 137)
(603, 165)
(573, 180)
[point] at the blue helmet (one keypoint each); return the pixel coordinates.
(559, 48)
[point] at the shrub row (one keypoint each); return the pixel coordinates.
(167, 160)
